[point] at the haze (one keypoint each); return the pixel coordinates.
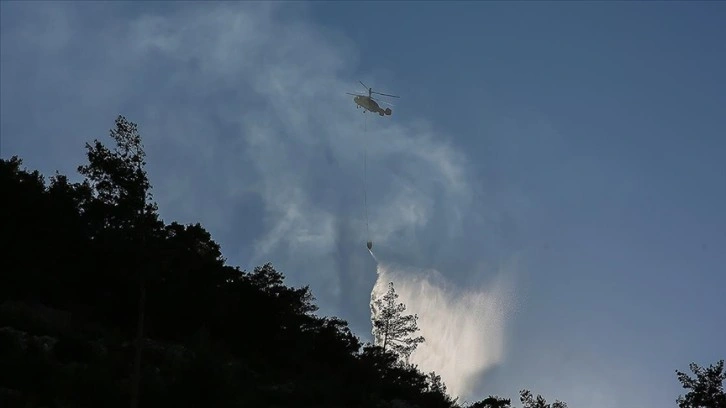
(565, 162)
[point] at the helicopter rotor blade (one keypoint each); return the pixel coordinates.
(364, 85)
(392, 96)
(382, 102)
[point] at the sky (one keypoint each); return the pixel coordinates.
(573, 150)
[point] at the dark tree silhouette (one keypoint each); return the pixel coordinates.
(492, 402)
(123, 202)
(394, 330)
(528, 401)
(706, 390)
(435, 383)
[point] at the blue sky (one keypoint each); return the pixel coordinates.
(575, 149)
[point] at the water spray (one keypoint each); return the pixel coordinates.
(464, 328)
(370, 251)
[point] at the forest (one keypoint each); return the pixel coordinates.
(103, 304)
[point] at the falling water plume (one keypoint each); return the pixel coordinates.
(374, 257)
(464, 329)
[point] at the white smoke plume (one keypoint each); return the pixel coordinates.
(464, 328)
(250, 132)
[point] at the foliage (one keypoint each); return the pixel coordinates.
(492, 402)
(394, 330)
(706, 389)
(528, 401)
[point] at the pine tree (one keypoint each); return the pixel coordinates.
(706, 390)
(122, 189)
(392, 329)
(529, 401)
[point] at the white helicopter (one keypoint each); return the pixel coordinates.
(368, 103)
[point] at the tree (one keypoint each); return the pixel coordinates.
(706, 389)
(492, 402)
(119, 180)
(528, 401)
(435, 383)
(392, 329)
(123, 203)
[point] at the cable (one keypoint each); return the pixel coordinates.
(365, 177)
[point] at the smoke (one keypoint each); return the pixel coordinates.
(464, 329)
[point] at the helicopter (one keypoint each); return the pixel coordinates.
(368, 103)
